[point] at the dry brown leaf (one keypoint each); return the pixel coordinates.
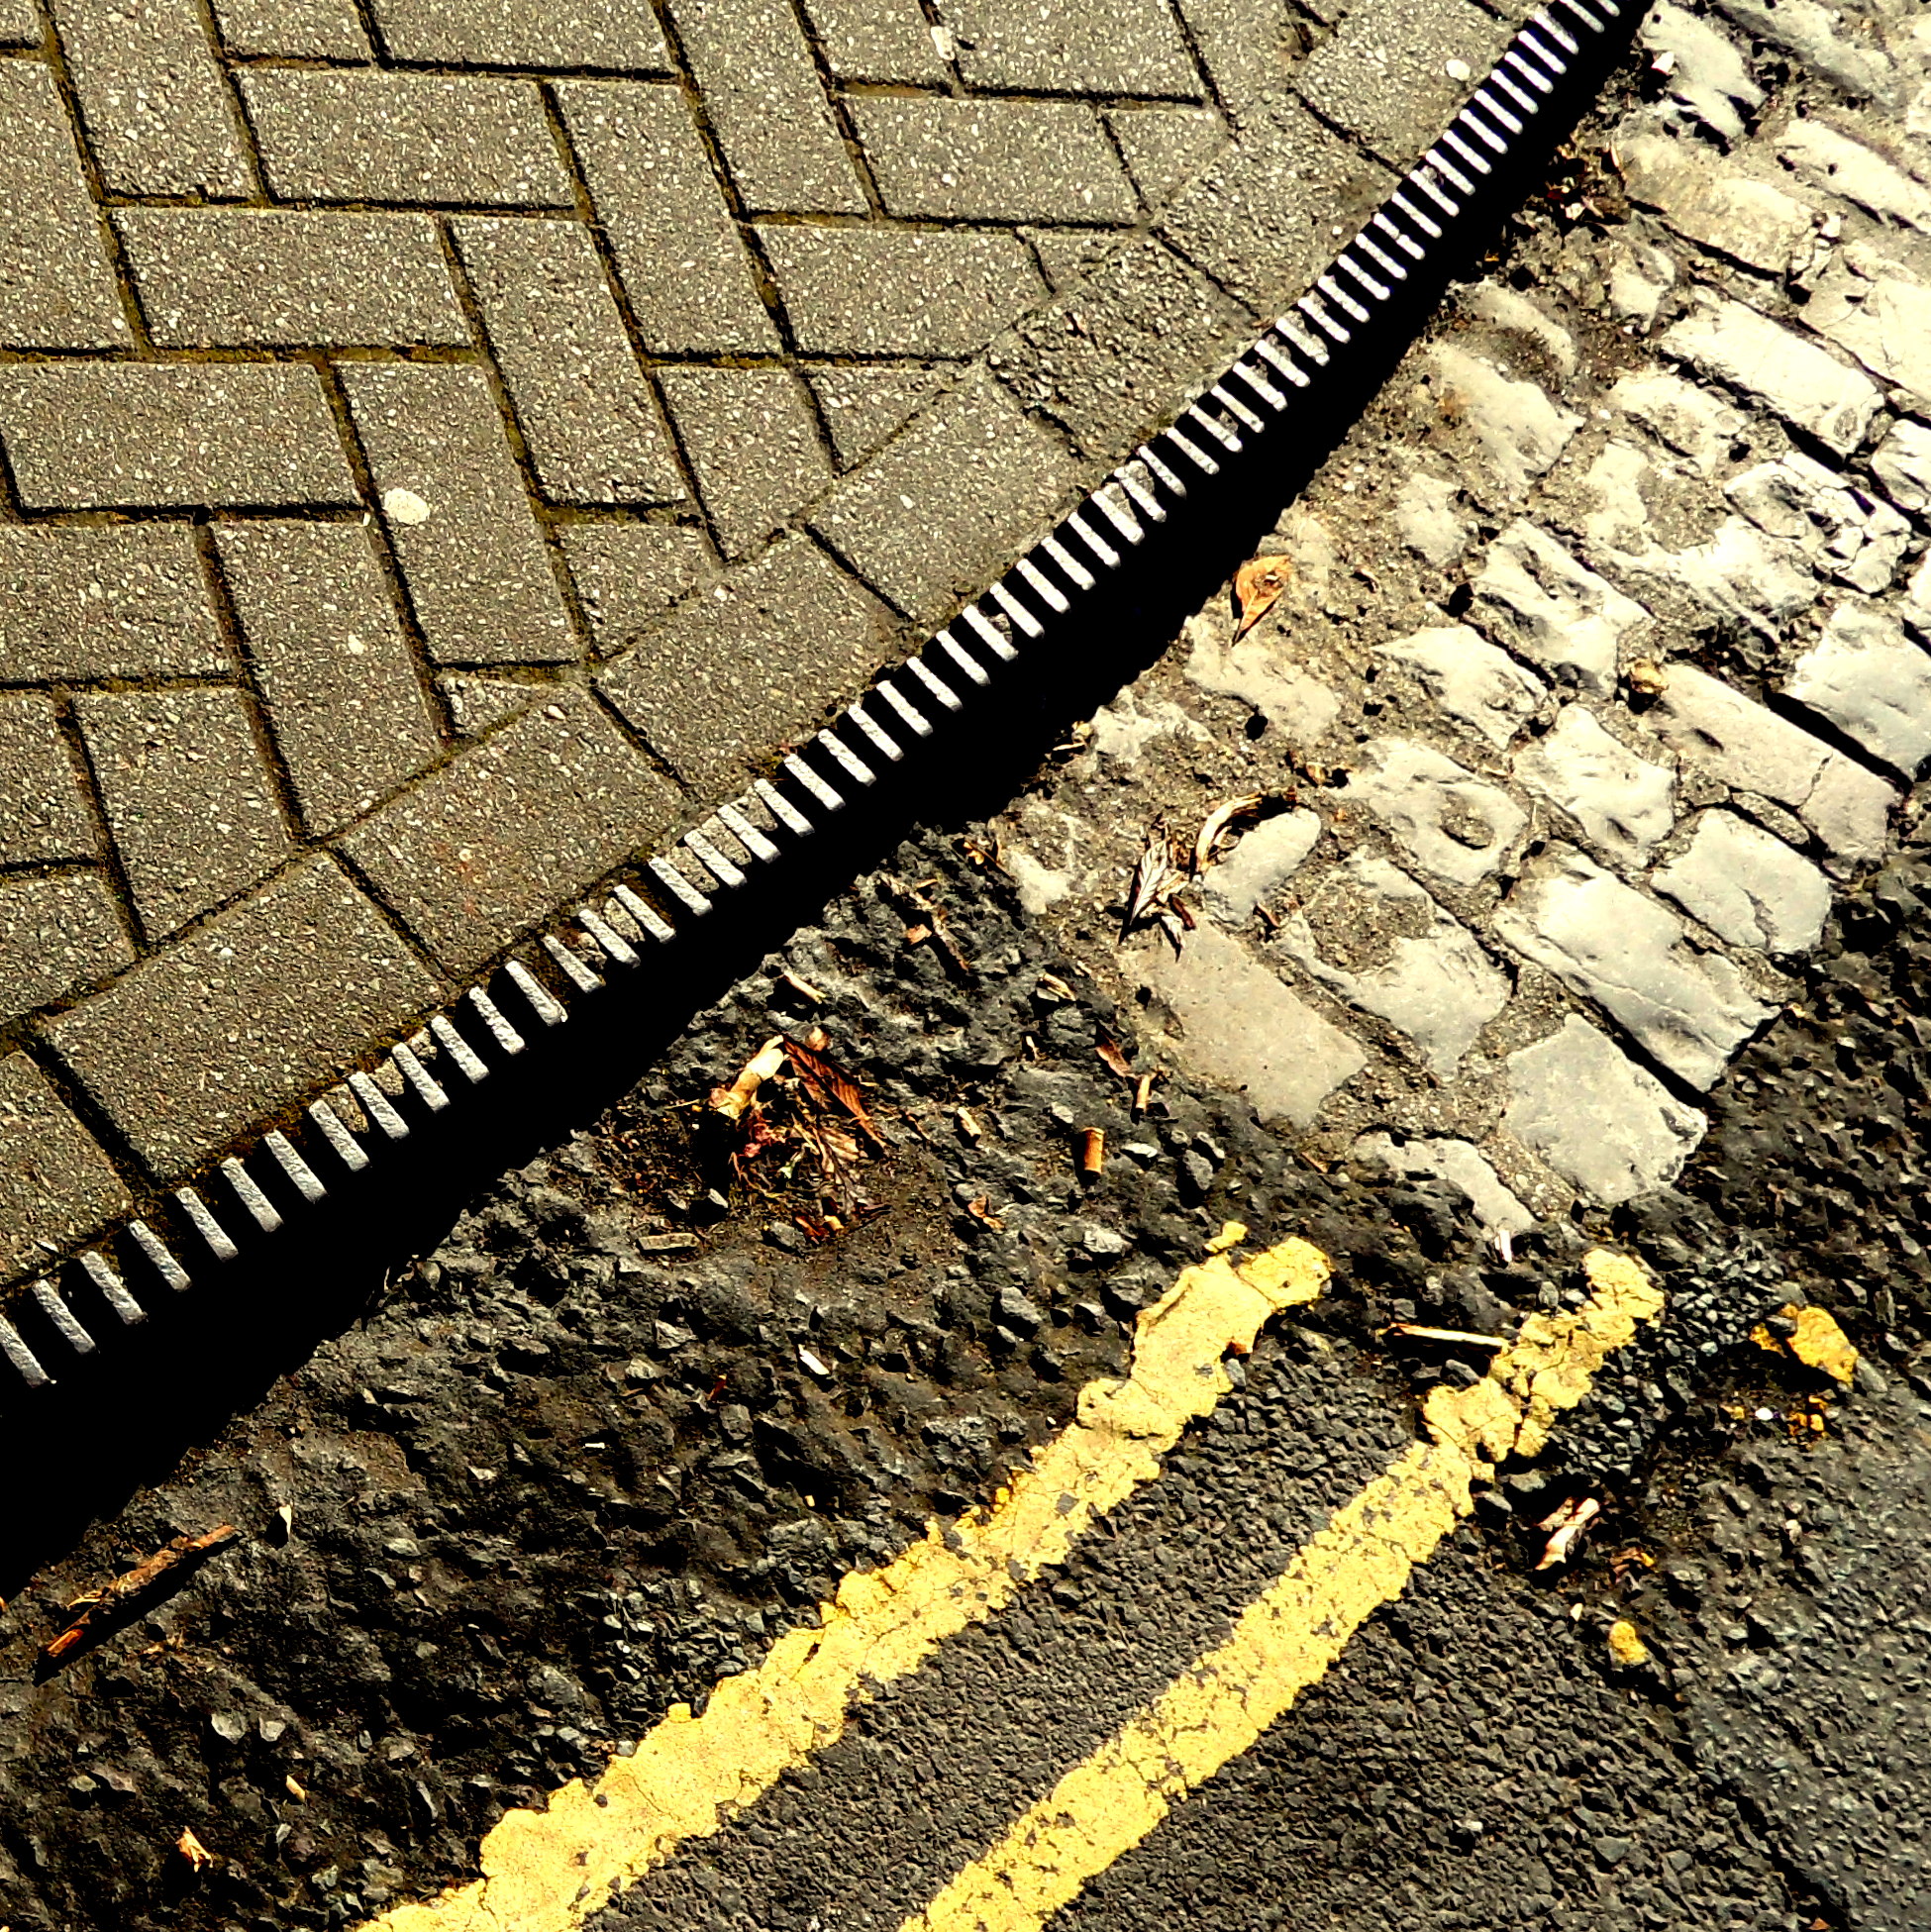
(981, 1209)
(1257, 585)
(821, 1072)
(1116, 1061)
(1051, 984)
(1218, 820)
(1154, 876)
(198, 1856)
(731, 1101)
(130, 1585)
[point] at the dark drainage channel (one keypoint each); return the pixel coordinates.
(123, 1358)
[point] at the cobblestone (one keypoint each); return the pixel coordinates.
(1623, 804)
(753, 444)
(1747, 886)
(341, 686)
(478, 572)
(409, 137)
(55, 1184)
(1553, 610)
(258, 1009)
(581, 401)
(159, 113)
(57, 290)
(1872, 682)
(105, 603)
(1450, 822)
(126, 435)
(518, 822)
(187, 798)
(1472, 682)
(215, 277)
(757, 658)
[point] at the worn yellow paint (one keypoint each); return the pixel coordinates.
(1288, 1638)
(545, 1870)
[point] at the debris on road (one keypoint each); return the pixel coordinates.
(1416, 1332)
(1565, 1526)
(1156, 878)
(130, 1590)
(1093, 1149)
(1815, 1339)
(1257, 585)
(1626, 1645)
(197, 1854)
(1219, 821)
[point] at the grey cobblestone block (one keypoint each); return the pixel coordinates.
(1536, 598)
(188, 799)
(492, 842)
(1881, 312)
(946, 505)
(863, 406)
(1457, 1162)
(56, 933)
(159, 114)
(57, 289)
(751, 439)
(1107, 359)
(896, 292)
(1163, 147)
(1804, 384)
(105, 603)
(1265, 858)
(683, 264)
(477, 571)
(1842, 532)
(1477, 684)
(877, 41)
(1454, 825)
(43, 813)
(1623, 804)
(940, 160)
(213, 277)
(620, 34)
(766, 107)
(586, 412)
(1386, 73)
(1601, 1122)
(753, 661)
(1262, 220)
(302, 29)
(345, 699)
(1872, 682)
(1723, 209)
(249, 1014)
(1903, 465)
(1747, 886)
(55, 1184)
(1241, 1026)
(369, 136)
(1078, 46)
(104, 436)
(1608, 942)
(628, 574)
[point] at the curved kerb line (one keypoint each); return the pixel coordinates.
(367, 1115)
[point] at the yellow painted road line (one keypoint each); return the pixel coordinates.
(1287, 1639)
(548, 1870)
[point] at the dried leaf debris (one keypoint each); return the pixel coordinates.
(100, 1610)
(1257, 585)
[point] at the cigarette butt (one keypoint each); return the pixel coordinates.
(1142, 1093)
(1093, 1149)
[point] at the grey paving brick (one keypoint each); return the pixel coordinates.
(43, 813)
(55, 1184)
(477, 571)
(56, 933)
(951, 501)
(311, 30)
(346, 702)
(1107, 359)
(367, 136)
(754, 663)
(1385, 73)
(111, 436)
(945, 160)
(57, 290)
(586, 412)
(253, 1012)
(1164, 147)
(188, 797)
(753, 441)
(628, 574)
(1249, 47)
(895, 291)
(1269, 214)
(210, 277)
(683, 264)
(863, 405)
(159, 114)
(763, 98)
(493, 842)
(99, 603)
(877, 41)
(620, 34)
(1075, 47)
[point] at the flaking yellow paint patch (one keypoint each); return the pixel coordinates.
(1290, 1638)
(545, 1870)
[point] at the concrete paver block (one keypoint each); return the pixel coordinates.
(753, 441)
(259, 1007)
(627, 574)
(56, 1183)
(1399, 63)
(620, 34)
(878, 41)
(1077, 46)
(302, 29)
(56, 933)
(43, 815)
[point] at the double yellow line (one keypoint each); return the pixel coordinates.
(549, 1871)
